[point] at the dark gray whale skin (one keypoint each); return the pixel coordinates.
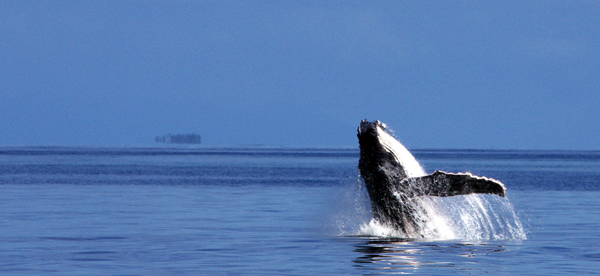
(393, 194)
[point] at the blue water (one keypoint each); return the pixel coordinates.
(257, 211)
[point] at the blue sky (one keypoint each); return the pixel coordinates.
(441, 74)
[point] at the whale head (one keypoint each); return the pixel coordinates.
(384, 163)
(375, 151)
(380, 150)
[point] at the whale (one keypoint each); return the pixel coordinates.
(395, 181)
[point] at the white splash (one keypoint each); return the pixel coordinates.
(471, 217)
(465, 217)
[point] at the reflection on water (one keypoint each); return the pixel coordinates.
(388, 254)
(408, 256)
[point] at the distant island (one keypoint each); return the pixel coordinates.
(179, 139)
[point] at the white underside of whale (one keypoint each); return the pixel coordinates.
(411, 166)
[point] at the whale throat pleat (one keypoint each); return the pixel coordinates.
(411, 166)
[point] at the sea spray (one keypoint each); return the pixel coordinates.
(471, 217)
(466, 217)
(463, 217)
(352, 210)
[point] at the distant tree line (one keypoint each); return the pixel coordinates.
(190, 138)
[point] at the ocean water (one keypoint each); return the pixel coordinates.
(280, 211)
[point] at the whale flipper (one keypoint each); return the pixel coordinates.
(441, 183)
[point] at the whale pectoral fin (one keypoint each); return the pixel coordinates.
(442, 183)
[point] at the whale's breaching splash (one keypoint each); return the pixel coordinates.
(406, 200)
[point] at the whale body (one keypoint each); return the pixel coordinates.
(395, 180)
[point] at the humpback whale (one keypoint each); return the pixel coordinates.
(395, 181)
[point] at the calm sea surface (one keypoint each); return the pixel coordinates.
(265, 211)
